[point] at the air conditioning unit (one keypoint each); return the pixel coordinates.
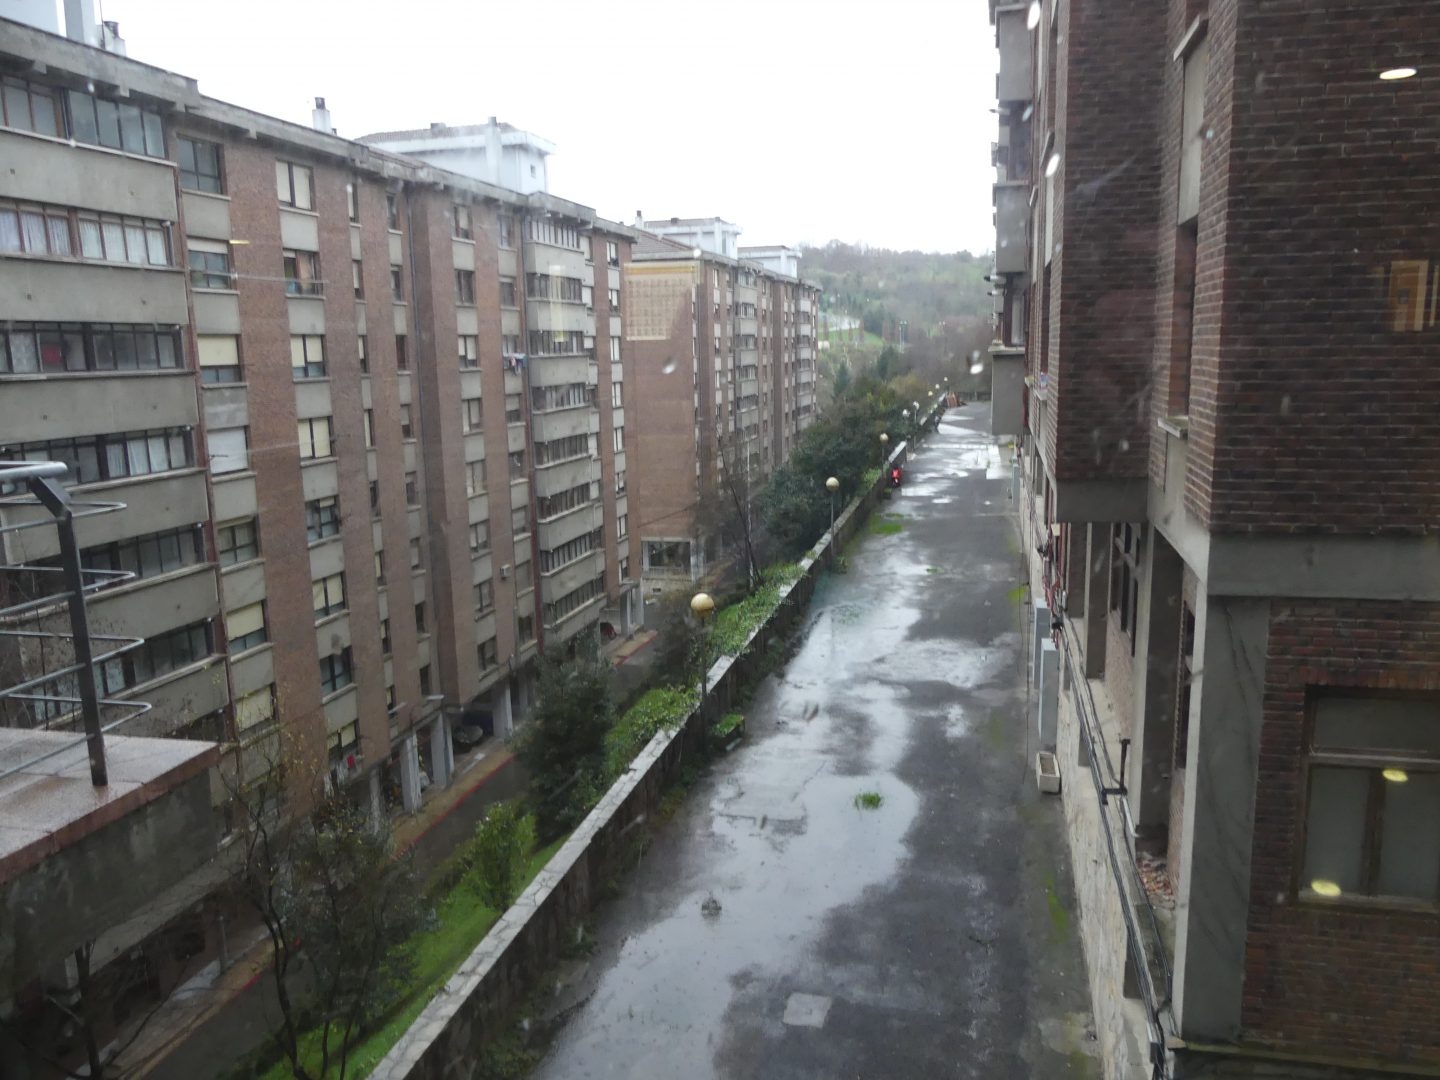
(505, 572)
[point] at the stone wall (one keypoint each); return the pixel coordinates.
(446, 1037)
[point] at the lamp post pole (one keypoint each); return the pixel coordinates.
(832, 485)
(703, 606)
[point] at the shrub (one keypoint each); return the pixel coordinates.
(498, 854)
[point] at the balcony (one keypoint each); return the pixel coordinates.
(1007, 389)
(1017, 62)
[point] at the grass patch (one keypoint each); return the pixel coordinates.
(728, 723)
(870, 478)
(461, 923)
(658, 709)
(885, 525)
(735, 623)
(869, 800)
(1059, 917)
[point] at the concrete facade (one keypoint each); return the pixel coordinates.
(1245, 598)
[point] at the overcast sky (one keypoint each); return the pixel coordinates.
(801, 120)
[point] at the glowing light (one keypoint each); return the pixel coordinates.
(1395, 74)
(1396, 776)
(1052, 165)
(1032, 17)
(1321, 887)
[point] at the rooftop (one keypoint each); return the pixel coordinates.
(49, 803)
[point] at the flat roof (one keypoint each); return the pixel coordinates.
(50, 802)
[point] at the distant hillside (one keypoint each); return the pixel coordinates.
(883, 287)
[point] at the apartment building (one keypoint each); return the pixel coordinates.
(722, 352)
(1215, 334)
(356, 505)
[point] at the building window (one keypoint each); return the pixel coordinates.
(402, 353)
(465, 287)
(255, 710)
(322, 517)
(573, 601)
(219, 358)
(391, 703)
(412, 490)
(525, 627)
(302, 273)
(517, 464)
(514, 411)
(469, 351)
(612, 253)
(416, 556)
(618, 436)
(505, 230)
(667, 556)
(307, 356)
(209, 264)
(374, 498)
(554, 558)
(328, 595)
(397, 284)
(386, 645)
(557, 342)
(425, 686)
(245, 629)
(470, 414)
(553, 287)
(293, 185)
(479, 537)
(1372, 824)
(314, 437)
(380, 567)
(552, 506)
(508, 296)
(1125, 576)
(93, 458)
(407, 427)
(549, 230)
(614, 298)
(488, 654)
(569, 448)
(31, 107)
(622, 526)
(625, 569)
(57, 348)
(143, 556)
(236, 542)
(524, 577)
(510, 344)
(363, 344)
(392, 210)
(158, 656)
(474, 478)
(420, 618)
(519, 521)
(619, 481)
(460, 215)
(200, 165)
(369, 429)
(336, 672)
(617, 395)
(357, 278)
(115, 124)
(484, 596)
(352, 200)
(566, 396)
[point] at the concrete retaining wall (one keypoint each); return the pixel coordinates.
(447, 1036)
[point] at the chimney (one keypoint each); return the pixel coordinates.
(110, 38)
(434, 126)
(639, 220)
(320, 117)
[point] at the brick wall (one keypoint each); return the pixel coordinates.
(274, 450)
(1318, 175)
(1355, 982)
(1102, 296)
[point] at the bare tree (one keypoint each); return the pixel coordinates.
(726, 509)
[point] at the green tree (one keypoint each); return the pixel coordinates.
(498, 852)
(562, 746)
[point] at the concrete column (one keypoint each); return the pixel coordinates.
(410, 773)
(500, 710)
(442, 762)
(1157, 662)
(1097, 597)
(377, 798)
(1213, 901)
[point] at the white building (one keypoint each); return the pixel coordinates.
(494, 152)
(713, 235)
(776, 258)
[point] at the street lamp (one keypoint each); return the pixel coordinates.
(832, 485)
(703, 607)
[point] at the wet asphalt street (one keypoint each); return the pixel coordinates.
(929, 937)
